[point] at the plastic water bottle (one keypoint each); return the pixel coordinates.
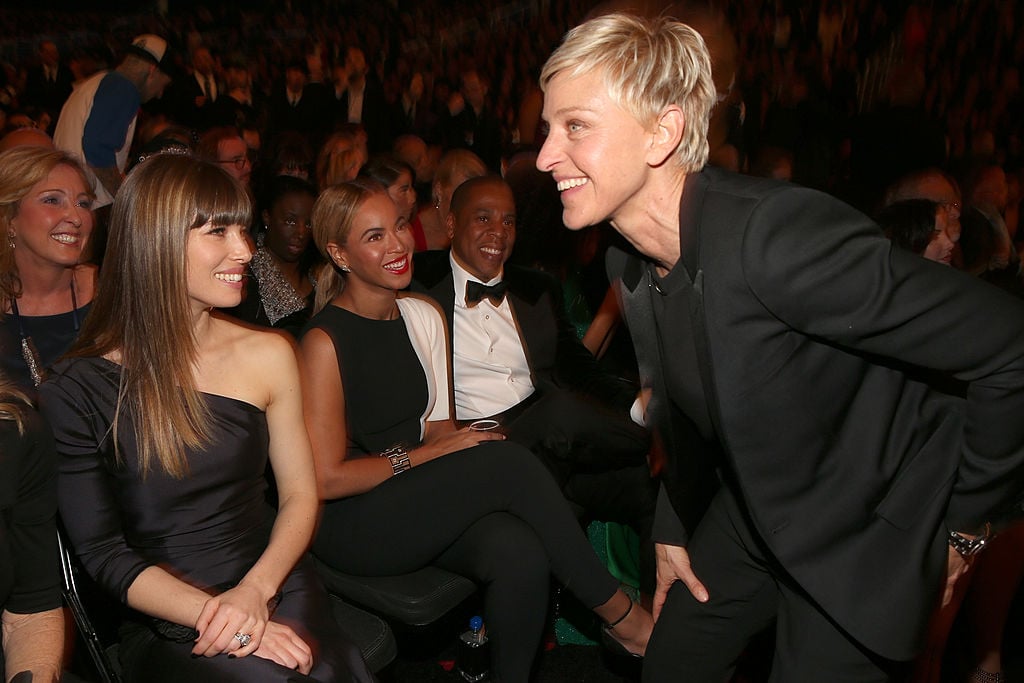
(474, 658)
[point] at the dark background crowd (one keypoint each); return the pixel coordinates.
(846, 96)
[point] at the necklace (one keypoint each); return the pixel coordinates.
(28, 347)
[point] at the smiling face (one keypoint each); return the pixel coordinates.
(482, 227)
(216, 257)
(288, 226)
(596, 151)
(379, 246)
(54, 221)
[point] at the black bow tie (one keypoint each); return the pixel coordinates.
(476, 291)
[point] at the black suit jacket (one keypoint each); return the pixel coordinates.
(852, 469)
(378, 118)
(555, 354)
(48, 95)
(184, 92)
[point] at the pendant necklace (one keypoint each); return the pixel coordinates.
(28, 347)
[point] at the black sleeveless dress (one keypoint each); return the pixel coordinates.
(491, 512)
(382, 374)
(208, 528)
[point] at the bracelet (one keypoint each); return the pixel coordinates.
(982, 676)
(399, 457)
(969, 547)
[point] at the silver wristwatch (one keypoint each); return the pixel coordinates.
(969, 547)
(399, 457)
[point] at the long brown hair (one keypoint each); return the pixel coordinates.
(21, 168)
(141, 310)
(333, 214)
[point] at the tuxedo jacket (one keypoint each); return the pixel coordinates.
(555, 354)
(811, 329)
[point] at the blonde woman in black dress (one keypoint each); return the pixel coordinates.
(404, 487)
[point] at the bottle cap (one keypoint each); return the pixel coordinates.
(476, 623)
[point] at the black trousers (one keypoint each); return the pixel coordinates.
(748, 591)
(597, 456)
(491, 513)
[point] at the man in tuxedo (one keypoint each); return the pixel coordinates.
(195, 98)
(288, 106)
(516, 359)
(48, 85)
(360, 100)
(472, 123)
(781, 340)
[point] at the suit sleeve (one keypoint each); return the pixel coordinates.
(826, 271)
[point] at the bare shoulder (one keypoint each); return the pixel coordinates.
(250, 363)
(257, 347)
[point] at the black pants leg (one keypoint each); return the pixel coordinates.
(505, 555)
(695, 641)
(409, 520)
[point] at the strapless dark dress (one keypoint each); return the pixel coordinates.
(207, 528)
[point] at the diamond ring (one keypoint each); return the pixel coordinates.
(243, 639)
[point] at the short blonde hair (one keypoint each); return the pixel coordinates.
(648, 64)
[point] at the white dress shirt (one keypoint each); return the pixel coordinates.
(488, 360)
(355, 104)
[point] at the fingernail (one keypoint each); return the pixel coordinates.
(231, 657)
(194, 655)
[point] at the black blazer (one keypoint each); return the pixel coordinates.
(48, 95)
(183, 94)
(554, 352)
(852, 469)
(377, 117)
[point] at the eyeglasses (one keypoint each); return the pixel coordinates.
(238, 162)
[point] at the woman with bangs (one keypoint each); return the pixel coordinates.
(165, 414)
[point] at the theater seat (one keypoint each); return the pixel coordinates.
(415, 599)
(368, 632)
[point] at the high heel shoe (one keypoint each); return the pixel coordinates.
(609, 640)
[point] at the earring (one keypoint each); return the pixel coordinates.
(437, 202)
(345, 269)
(10, 239)
(261, 236)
